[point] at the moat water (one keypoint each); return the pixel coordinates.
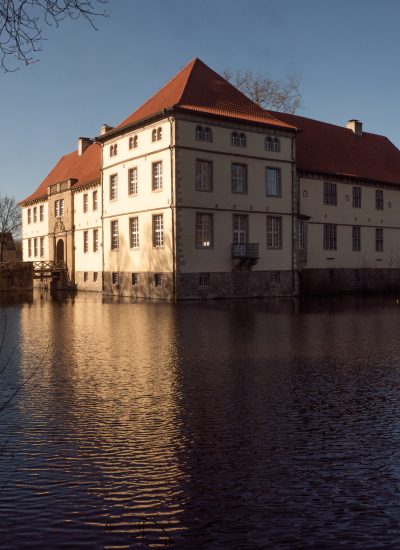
(248, 424)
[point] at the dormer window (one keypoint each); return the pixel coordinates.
(238, 139)
(272, 144)
(204, 134)
(133, 142)
(113, 150)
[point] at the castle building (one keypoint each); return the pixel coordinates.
(202, 193)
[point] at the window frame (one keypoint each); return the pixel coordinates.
(86, 241)
(156, 178)
(356, 238)
(133, 184)
(274, 234)
(95, 240)
(134, 238)
(357, 196)
(114, 234)
(157, 232)
(41, 213)
(85, 202)
(329, 236)
(330, 193)
(95, 200)
(379, 246)
(202, 232)
(114, 186)
(379, 201)
(199, 175)
(235, 178)
(268, 183)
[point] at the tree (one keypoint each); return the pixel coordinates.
(21, 23)
(10, 220)
(270, 94)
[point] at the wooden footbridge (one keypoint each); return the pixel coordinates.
(48, 269)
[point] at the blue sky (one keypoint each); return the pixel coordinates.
(345, 52)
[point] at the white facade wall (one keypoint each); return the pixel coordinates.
(35, 230)
(89, 221)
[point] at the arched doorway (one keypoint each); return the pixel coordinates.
(60, 251)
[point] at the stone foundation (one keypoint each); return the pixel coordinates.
(89, 280)
(236, 284)
(16, 276)
(338, 281)
(145, 285)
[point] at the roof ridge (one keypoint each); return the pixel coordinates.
(193, 62)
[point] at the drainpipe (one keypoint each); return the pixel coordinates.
(173, 209)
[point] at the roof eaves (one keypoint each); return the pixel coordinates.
(116, 131)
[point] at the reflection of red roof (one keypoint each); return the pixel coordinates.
(323, 148)
(84, 169)
(197, 88)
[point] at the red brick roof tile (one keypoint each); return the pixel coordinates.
(323, 148)
(197, 88)
(84, 169)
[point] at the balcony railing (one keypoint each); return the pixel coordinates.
(245, 250)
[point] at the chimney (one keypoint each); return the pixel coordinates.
(105, 128)
(83, 144)
(355, 126)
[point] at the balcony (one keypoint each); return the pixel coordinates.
(245, 251)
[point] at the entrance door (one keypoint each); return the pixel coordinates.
(60, 252)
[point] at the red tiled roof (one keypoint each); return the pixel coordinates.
(84, 169)
(323, 148)
(200, 89)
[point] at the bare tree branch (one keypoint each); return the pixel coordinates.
(270, 94)
(21, 23)
(10, 220)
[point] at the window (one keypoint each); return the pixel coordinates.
(273, 182)
(300, 234)
(85, 202)
(157, 176)
(156, 134)
(35, 247)
(95, 275)
(132, 181)
(41, 212)
(238, 139)
(356, 197)
(113, 187)
(240, 228)
(134, 232)
(204, 134)
(115, 278)
(133, 142)
(35, 214)
(330, 193)
(239, 178)
(204, 175)
(272, 144)
(86, 241)
(113, 150)
(85, 276)
(95, 200)
(379, 240)
(29, 248)
(29, 215)
(41, 247)
(134, 279)
(275, 277)
(379, 199)
(204, 230)
(204, 280)
(95, 240)
(329, 237)
(158, 231)
(114, 235)
(157, 279)
(274, 232)
(59, 208)
(357, 239)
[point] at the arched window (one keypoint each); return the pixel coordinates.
(276, 144)
(131, 143)
(234, 138)
(159, 133)
(242, 140)
(208, 135)
(135, 142)
(154, 135)
(199, 133)
(268, 143)
(113, 150)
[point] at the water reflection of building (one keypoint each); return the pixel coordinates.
(108, 420)
(202, 193)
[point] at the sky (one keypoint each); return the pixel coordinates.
(346, 54)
